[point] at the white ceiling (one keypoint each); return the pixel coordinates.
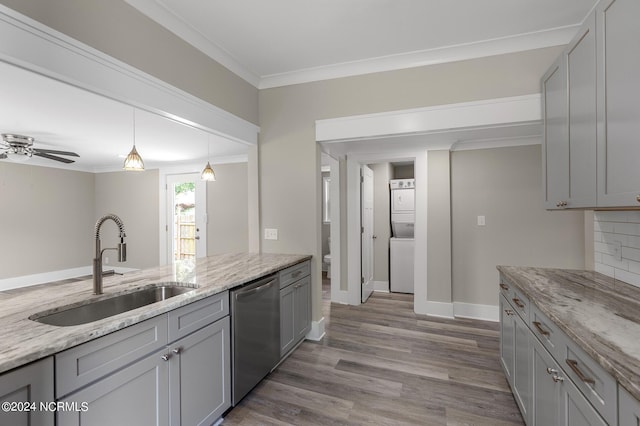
(280, 42)
(63, 117)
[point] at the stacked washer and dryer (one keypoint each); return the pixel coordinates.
(401, 244)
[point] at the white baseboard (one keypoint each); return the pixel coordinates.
(47, 277)
(317, 330)
(475, 311)
(436, 309)
(382, 286)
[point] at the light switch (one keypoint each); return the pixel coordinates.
(481, 221)
(270, 234)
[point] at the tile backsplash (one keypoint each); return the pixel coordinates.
(617, 245)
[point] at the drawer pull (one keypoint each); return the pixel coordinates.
(551, 370)
(557, 378)
(504, 286)
(508, 312)
(518, 303)
(540, 329)
(296, 274)
(573, 364)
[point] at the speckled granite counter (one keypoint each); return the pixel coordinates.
(24, 340)
(600, 314)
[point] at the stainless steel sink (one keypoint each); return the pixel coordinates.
(104, 308)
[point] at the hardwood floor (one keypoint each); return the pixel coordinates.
(382, 364)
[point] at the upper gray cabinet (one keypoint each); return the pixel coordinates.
(591, 114)
(569, 114)
(618, 107)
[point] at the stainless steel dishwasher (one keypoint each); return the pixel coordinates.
(255, 326)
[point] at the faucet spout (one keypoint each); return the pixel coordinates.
(97, 260)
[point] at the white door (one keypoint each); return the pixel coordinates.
(186, 217)
(366, 220)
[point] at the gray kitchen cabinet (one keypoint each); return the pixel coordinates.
(295, 306)
(618, 107)
(570, 131)
(546, 378)
(31, 384)
(628, 408)
(581, 116)
(200, 375)
(515, 355)
(135, 395)
(555, 145)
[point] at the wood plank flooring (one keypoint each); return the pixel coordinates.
(381, 364)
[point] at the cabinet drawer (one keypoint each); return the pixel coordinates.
(88, 362)
(598, 386)
(294, 273)
(628, 408)
(506, 289)
(189, 318)
(547, 332)
(520, 303)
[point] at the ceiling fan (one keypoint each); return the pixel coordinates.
(20, 148)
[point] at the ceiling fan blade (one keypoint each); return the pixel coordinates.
(53, 151)
(53, 157)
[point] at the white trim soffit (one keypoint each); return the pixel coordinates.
(492, 112)
(31, 45)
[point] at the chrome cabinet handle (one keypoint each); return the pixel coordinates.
(561, 204)
(508, 312)
(557, 378)
(551, 370)
(573, 364)
(638, 198)
(541, 330)
(296, 274)
(518, 303)
(177, 350)
(166, 357)
(504, 286)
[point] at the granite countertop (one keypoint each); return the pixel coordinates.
(24, 340)
(600, 314)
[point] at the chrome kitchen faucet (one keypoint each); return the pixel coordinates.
(97, 260)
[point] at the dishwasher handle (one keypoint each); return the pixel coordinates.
(249, 291)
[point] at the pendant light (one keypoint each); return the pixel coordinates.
(133, 162)
(207, 172)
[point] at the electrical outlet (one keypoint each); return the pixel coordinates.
(270, 234)
(481, 221)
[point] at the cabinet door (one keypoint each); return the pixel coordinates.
(507, 342)
(628, 408)
(619, 109)
(545, 410)
(136, 395)
(33, 384)
(582, 132)
(287, 315)
(521, 385)
(575, 409)
(302, 308)
(555, 147)
(200, 375)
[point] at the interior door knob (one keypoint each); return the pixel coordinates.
(197, 237)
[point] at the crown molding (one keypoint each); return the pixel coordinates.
(528, 41)
(157, 11)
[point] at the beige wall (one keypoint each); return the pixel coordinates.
(289, 160)
(46, 219)
(227, 208)
(403, 172)
(119, 30)
(438, 226)
(504, 185)
(134, 197)
(381, 220)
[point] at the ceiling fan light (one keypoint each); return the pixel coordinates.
(208, 173)
(18, 156)
(133, 162)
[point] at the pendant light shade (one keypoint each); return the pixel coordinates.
(207, 172)
(133, 162)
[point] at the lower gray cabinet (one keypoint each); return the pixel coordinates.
(200, 375)
(136, 395)
(628, 408)
(31, 384)
(295, 313)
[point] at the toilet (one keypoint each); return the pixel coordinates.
(327, 261)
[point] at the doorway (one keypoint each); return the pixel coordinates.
(186, 198)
